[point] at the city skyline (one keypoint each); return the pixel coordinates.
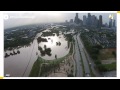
(18, 19)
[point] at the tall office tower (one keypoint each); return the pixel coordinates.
(93, 18)
(76, 19)
(110, 23)
(84, 20)
(89, 19)
(100, 21)
(96, 21)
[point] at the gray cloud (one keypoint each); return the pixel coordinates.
(18, 19)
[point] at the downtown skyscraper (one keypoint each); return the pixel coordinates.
(100, 21)
(89, 19)
(84, 20)
(76, 19)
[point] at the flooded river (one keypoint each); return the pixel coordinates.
(20, 63)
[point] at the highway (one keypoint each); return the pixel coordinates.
(79, 70)
(85, 63)
(95, 71)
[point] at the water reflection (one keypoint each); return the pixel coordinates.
(52, 39)
(12, 53)
(58, 43)
(18, 47)
(46, 51)
(40, 39)
(15, 50)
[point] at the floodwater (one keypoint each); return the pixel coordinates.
(20, 64)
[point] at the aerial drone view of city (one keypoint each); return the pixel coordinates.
(46, 44)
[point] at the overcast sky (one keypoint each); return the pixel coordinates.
(18, 19)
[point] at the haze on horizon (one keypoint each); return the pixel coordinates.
(19, 19)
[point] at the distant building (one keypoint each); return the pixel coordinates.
(66, 21)
(93, 21)
(89, 19)
(71, 20)
(84, 20)
(76, 20)
(96, 22)
(100, 21)
(110, 22)
(106, 25)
